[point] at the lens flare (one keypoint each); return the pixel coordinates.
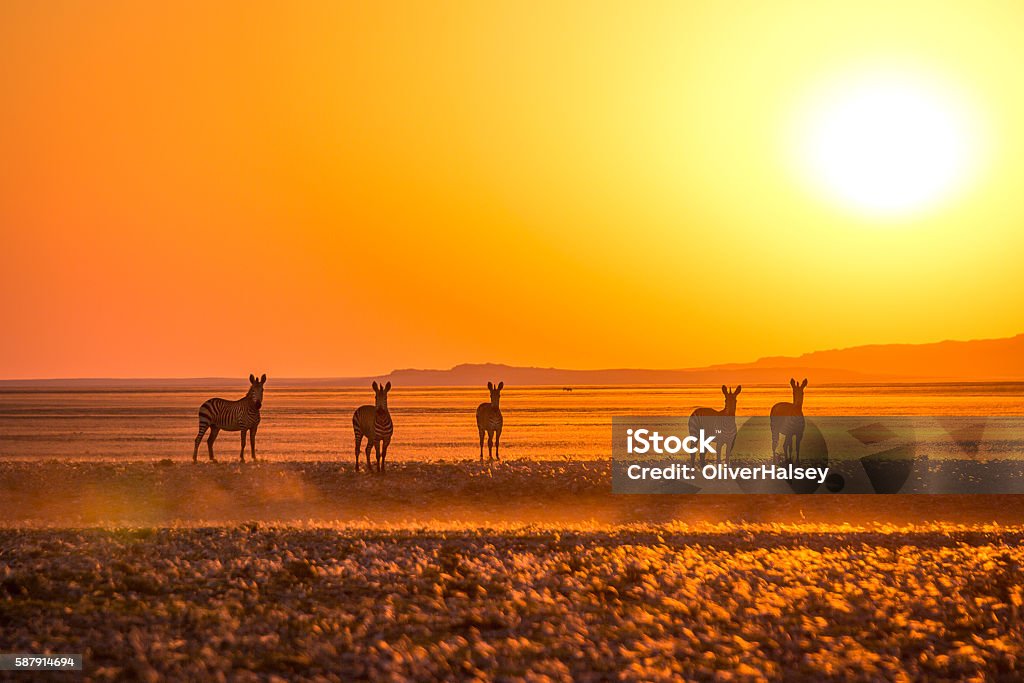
(888, 145)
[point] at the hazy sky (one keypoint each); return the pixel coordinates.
(346, 188)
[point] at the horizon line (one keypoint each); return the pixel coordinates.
(371, 377)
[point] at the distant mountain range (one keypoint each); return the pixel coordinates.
(987, 360)
(984, 360)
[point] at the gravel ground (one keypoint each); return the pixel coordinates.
(519, 571)
(644, 602)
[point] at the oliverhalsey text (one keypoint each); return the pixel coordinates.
(722, 471)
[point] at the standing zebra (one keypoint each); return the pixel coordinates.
(375, 423)
(242, 415)
(488, 419)
(721, 423)
(787, 419)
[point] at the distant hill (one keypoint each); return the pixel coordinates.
(984, 360)
(988, 360)
(473, 374)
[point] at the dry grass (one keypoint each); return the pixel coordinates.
(517, 571)
(646, 602)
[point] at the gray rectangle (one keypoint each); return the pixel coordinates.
(40, 662)
(818, 454)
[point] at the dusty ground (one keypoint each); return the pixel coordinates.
(649, 602)
(55, 493)
(508, 572)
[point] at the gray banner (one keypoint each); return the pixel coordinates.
(819, 454)
(40, 662)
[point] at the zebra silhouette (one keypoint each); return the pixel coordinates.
(488, 419)
(787, 419)
(242, 415)
(721, 423)
(374, 422)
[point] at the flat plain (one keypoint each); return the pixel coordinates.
(114, 544)
(643, 602)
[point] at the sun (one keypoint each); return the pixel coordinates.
(887, 145)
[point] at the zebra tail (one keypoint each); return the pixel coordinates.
(203, 426)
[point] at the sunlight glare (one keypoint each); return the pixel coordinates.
(888, 146)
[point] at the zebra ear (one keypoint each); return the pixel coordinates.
(501, 385)
(387, 387)
(804, 383)
(490, 386)
(263, 379)
(374, 385)
(739, 388)
(792, 382)
(725, 390)
(252, 379)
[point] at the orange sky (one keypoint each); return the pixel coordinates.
(345, 188)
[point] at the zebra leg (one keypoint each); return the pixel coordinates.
(383, 454)
(359, 441)
(376, 453)
(241, 456)
(775, 445)
(369, 447)
(214, 431)
(497, 438)
(481, 445)
(252, 443)
(490, 445)
(199, 440)
(798, 437)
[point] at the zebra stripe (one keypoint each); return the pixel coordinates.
(713, 422)
(488, 418)
(374, 422)
(231, 416)
(242, 415)
(787, 424)
(787, 420)
(383, 427)
(489, 421)
(720, 423)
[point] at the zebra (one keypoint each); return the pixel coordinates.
(721, 423)
(787, 419)
(242, 415)
(488, 419)
(375, 423)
